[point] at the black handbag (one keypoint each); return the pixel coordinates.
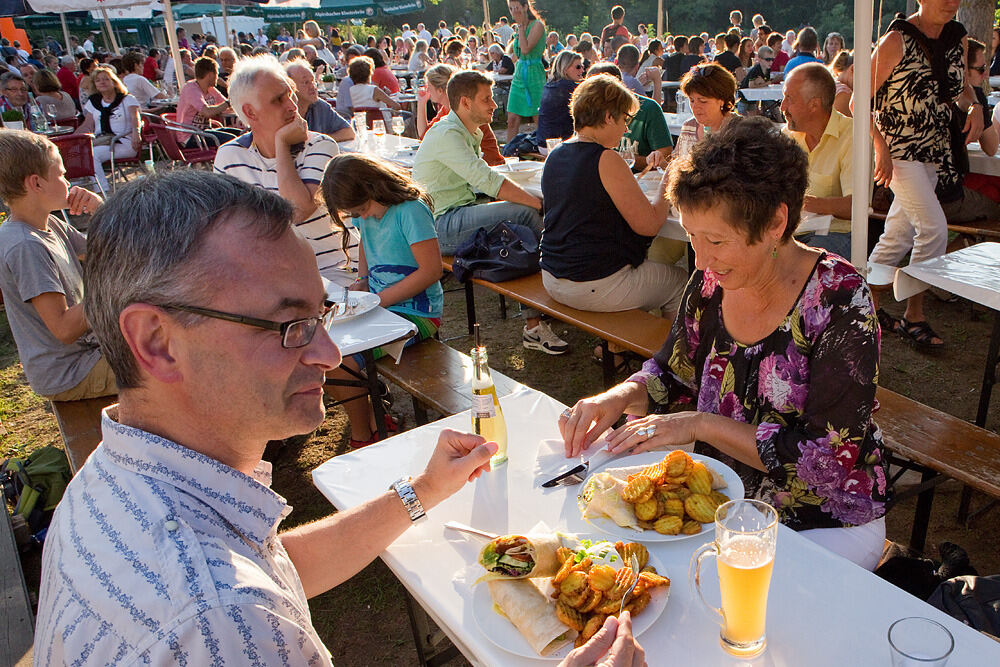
(506, 252)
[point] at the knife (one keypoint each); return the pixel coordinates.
(578, 473)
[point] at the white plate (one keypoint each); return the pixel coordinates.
(502, 632)
(734, 489)
(359, 302)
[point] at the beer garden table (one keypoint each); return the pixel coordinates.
(823, 610)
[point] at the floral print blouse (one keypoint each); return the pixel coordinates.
(809, 387)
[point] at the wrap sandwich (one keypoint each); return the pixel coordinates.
(520, 556)
(602, 495)
(532, 613)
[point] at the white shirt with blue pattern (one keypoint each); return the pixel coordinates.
(160, 555)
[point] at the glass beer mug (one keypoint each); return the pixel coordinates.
(746, 532)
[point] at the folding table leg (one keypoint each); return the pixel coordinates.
(607, 365)
(985, 394)
(922, 515)
(429, 651)
(374, 391)
(470, 306)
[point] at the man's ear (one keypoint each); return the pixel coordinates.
(149, 333)
(249, 112)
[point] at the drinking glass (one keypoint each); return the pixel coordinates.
(550, 145)
(627, 150)
(378, 129)
(916, 641)
(50, 113)
(398, 125)
(746, 532)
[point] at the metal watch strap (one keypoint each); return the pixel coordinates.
(409, 498)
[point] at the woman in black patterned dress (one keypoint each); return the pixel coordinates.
(918, 73)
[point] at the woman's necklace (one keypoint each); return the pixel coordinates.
(583, 137)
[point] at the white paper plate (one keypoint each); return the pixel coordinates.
(502, 632)
(359, 304)
(734, 489)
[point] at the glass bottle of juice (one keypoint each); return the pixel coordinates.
(487, 416)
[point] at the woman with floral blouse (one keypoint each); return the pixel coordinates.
(772, 363)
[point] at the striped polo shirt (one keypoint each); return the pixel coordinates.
(240, 159)
(160, 555)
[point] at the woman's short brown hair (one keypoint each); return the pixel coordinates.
(727, 168)
(598, 96)
(711, 80)
(46, 81)
(360, 69)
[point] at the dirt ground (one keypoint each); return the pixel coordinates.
(364, 621)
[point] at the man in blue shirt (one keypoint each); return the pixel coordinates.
(319, 115)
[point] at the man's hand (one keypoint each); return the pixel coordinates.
(291, 134)
(457, 459)
(811, 204)
(82, 201)
(613, 642)
(655, 160)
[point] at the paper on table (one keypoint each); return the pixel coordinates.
(816, 224)
(551, 459)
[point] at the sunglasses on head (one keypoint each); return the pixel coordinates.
(768, 60)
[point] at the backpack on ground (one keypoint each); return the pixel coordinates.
(34, 484)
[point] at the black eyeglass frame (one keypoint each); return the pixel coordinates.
(270, 325)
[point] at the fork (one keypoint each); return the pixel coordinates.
(633, 564)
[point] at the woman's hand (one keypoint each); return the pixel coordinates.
(883, 164)
(582, 424)
(136, 141)
(655, 432)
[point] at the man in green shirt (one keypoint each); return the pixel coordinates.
(649, 127)
(450, 167)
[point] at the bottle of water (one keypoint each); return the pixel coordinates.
(39, 122)
(683, 108)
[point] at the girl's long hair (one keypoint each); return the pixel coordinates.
(353, 179)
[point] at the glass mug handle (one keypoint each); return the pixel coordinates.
(710, 549)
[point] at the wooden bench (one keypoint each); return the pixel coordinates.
(939, 446)
(634, 330)
(16, 620)
(80, 426)
(437, 377)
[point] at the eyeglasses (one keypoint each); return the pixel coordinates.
(981, 69)
(768, 60)
(294, 333)
(629, 117)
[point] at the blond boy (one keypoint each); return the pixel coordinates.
(40, 272)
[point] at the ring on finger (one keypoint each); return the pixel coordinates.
(565, 414)
(651, 430)
(642, 432)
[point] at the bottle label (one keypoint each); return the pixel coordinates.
(482, 406)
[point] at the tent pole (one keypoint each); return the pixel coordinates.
(486, 12)
(62, 20)
(861, 146)
(111, 33)
(175, 52)
(225, 21)
(659, 19)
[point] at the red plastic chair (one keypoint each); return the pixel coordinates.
(166, 136)
(77, 152)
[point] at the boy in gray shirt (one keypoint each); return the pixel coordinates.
(40, 272)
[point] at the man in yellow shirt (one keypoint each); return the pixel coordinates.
(825, 135)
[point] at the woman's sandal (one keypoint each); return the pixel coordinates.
(920, 334)
(621, 361)
(889, 323)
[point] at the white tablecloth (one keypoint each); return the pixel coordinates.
(981, 163)
(675, 120)
(971, 273)
(773, 92)
(822, 610)
(374, 328)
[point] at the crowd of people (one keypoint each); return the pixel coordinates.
(771, 363)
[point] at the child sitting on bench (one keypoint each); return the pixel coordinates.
(40, 272)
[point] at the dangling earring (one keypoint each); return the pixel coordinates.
(774, 252)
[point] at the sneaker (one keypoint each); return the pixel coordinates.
(543, 338)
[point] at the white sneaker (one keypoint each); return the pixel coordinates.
(542, 338)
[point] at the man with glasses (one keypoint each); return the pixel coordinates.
(166, 543)
(14, 96)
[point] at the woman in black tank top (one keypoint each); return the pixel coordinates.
(598, 223)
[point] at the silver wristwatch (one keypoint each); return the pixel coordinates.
(406, 493)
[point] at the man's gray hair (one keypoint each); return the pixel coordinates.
(817, 83)
(244, 78)
(496, 48)
(144, 245)
(67, 61)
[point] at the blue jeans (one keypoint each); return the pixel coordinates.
(459, 224)
(836, 242)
